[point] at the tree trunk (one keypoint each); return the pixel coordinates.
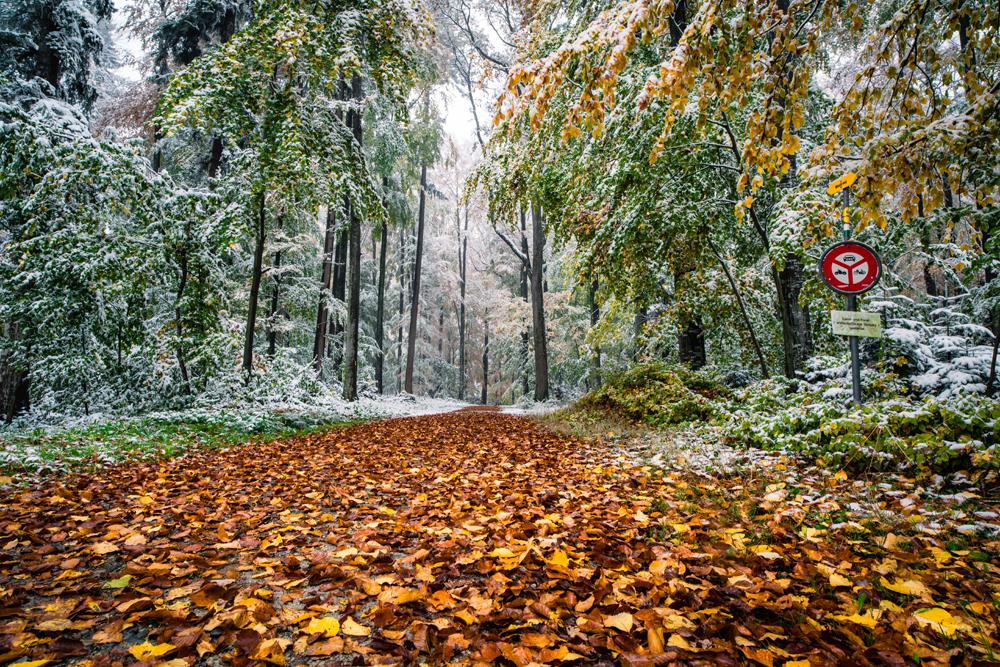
(322, 315)
(272, 334)
(486, 358)
(691, 345)
(691, 339)
(258, 260)
(595, 316)
(47, 62)
(178, 319)
(991, 383)
(15, 394)
(380, 314)
(214, 160)
(638, 322)
(402, 309)
(678, 22)
(538, 305)
(336, 325)
(795, 329)
(463, 254)
(526, 333)
(412, 340)
(354, 301)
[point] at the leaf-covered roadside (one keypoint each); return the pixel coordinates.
(464, 538)
(26, 455)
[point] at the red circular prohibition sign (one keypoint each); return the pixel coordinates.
(850, 267)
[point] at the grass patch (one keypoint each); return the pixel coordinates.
(158, 436)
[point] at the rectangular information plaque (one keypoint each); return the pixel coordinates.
(847, 323)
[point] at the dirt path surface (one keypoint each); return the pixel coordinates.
(471, 537)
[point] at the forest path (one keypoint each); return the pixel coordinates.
(470, 536)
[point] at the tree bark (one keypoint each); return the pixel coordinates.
(691, 345)
(336, 325)
(178, 319)
(322, 315)
(272, 334)
(526, 333)
(486, 358)
(15, 394)
(463, 254)
(47, 62)
(538, 305)
(214, 160)
(795, 329)
(354, 300)
(691, 340)
(380, 314)
(638, 322)
(595, 316)
(414, 304)
(402, 308)
(258, 260)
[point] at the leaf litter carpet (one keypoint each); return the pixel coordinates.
(472, 538)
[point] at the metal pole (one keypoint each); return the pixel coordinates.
(852, 306)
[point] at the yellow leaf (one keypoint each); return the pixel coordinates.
(940, 620)
(869, 619)
(327, 625)
(272, 650)
(797, 663)
(502, 552)
(837, 581)
(146, 500)
(906, 588)
(146, 650)
(679, 642)
(350, 627)
(622, 621)
(34, 663)
(560, 558)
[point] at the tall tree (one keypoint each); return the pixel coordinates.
(540, 340)
(411, 340)
(354, 283)
(380, 307)
(325, 289)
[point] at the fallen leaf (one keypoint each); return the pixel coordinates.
(147, 650)
(328, 626)
(622, 621)
(103, 548)
(121, 582)
(350, 627)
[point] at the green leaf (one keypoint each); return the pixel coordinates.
(119, 583)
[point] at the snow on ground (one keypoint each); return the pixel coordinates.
(801, 486)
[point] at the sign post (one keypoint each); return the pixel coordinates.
(851, 268)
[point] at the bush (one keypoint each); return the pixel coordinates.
(660, 395)
(891, 432)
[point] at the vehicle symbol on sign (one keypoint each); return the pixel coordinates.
(850, 269)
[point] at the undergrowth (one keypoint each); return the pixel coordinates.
(896, 430)
(659, 395)
(45, 451)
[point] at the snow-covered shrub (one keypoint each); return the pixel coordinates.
(892, 431)
(660, 394)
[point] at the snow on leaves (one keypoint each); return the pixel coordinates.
(469, 538)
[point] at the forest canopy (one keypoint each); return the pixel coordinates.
(297, 204)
